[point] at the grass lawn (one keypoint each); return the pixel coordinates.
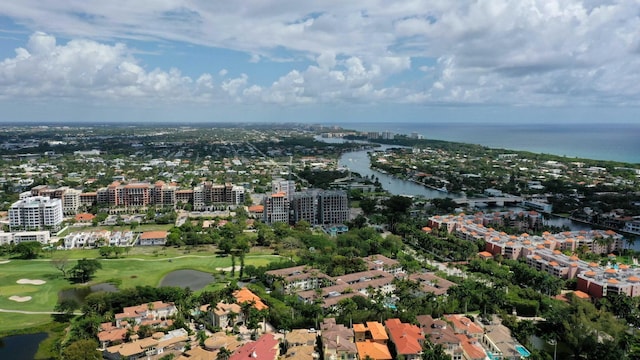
(144, 268)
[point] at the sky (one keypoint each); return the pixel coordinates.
(329, 61)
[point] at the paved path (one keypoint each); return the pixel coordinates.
(37, 312)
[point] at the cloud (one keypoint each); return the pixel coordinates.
(532, 52)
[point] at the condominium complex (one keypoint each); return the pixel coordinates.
(317, 207)
(547, 253)
(142, 194)
(35, 213)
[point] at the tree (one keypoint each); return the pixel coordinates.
(223, 354)
(84, 349)
(61, 262)
(28, 249)
(434, 352)
(85, 269)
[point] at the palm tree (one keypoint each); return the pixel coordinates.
(223, 354)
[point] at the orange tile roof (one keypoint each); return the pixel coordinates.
(84, 217)
(245, 295)
(154, 235)
(359, 328)
(406, 337)
(377, 330)
(581, 294)
(470, 346)
(373, 350)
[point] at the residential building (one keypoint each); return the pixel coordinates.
(146, 348)
(36, 213)
(245, 295)
(226, 315)
(146, 314)
(71, 201)
(299, 278)
(43, 237)
(337, 341)
(408, 339)
(439, 332)
(304, 207)
(333, 207)
(266, 347)
(276, 208)
(153, 238)
(500, 344)
(371, 341)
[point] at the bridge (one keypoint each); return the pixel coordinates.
(490, 200)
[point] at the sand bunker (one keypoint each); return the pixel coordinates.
(4, 261)
(20, 298)
(31, 282)
(229, 268)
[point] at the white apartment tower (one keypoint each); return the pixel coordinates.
(35, 213)
(285, 186)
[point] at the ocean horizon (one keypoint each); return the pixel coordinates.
(615, 141)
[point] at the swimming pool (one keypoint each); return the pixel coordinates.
(523, 351)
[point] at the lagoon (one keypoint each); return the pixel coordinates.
(193, 279)
(20, 347)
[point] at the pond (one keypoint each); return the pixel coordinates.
(20, 347)
(80, 293)
(193, 279)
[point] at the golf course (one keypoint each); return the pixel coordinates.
(29, 288)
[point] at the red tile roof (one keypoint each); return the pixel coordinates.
(265, 348)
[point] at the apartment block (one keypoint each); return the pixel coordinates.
(36, 213)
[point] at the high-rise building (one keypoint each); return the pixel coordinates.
(71, 201)
(304, 206)
(333, 207)
(276, 208)
(36, 213)
(288, 187)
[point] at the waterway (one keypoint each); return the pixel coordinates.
(358, 162)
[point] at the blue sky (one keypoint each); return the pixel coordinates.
(329, 61)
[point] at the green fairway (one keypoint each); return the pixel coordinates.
(136, 269)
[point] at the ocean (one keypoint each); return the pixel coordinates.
(615, 141)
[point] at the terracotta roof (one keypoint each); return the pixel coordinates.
(373, 350)
(154, 235)
(377, 330)
(84, 217)
(471, 348)
(256, 208)
(406, 337)
(265, 348)
(245, 295)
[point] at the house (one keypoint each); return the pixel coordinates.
(371, 341)
(408, 339)
(500, 343)
(471, 348)
(464, 325)
(221, 340)
(373, 331)
(197, 353)
(440, 333)
(223, 314)
(157, 345)
(245, 295)
(265, 348)
(110, 335)
(153, 238)
(373, 350)
(337, 341)
(300, 344)
(154, 314)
